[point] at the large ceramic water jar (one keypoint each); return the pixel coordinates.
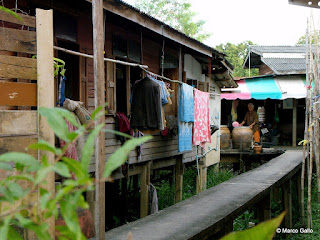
(224, 137)
(242, 138)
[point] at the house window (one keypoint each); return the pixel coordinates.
(119, 46)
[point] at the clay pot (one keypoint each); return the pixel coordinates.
(242, 138)
(225, 137)
(257, 149)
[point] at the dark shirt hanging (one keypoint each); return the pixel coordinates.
(146, 105)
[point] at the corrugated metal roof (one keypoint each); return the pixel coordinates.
(281, 59)
(286, 65)
(278, 49)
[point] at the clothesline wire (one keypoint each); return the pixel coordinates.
(143, 67)
(168, 79)
(105, 59)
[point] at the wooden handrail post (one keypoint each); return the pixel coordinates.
(99, 100)
(44, 24)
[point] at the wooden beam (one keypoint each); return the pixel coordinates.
(18, 94)
(45, 91)
(18, 67)
(18, 40)
(99, 100)
(18, 122)
(294, 123)
(29, 21)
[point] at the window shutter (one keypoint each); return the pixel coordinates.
(111, 87)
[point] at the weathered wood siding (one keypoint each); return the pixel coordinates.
(265, 70)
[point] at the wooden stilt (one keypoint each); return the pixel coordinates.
(263, 209)
(179, 179)
(287, 200)
(202, 180)
(144, 190)
(99, 100)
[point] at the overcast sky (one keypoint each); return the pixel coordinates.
(264, 22)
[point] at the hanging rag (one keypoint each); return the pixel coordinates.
(186, 117)
(186, 103)
(201, 127)
(139, 134)
(153, 199)
(62, 89)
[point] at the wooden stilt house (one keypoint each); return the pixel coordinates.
(132, 37)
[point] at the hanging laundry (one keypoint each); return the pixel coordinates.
(164, 92)
(139, 134)
(62, 89)
(153, 199)
(146, 105)
(184, 137)
(72, 149)
(186, 103)
(122, 125)
(186, 117)
(201, 127)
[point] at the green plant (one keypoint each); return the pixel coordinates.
(10, 12)
(242, 222)
(17, 205)
(263, 231)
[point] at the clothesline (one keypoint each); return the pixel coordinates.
(105, 59)
(143, 67)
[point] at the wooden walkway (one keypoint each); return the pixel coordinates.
(203, 215)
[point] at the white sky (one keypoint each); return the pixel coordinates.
(264, 22)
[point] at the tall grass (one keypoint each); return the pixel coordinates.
(166, 187)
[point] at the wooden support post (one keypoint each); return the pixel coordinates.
(298, 178)
(99, 100)
(179, 179)
(228, 227)
(44, 24)
(287, 200)
(202, 180)
(294, 123)
(275, 195)
(144, 189)
(263, 209)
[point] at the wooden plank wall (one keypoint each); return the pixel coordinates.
(18, 87)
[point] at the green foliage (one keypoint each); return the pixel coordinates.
(18, 205)
(10, 12)
(263, 231)
(242, 222)
(176, 13)
(313, 38)
(236, 55)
